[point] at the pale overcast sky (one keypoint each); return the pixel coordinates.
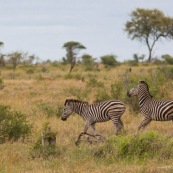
(41, 27)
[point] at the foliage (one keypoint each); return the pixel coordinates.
(149, 25)
(109, 60)
(30, 71)
(13, 125)
(168, 58)
(89, 62)
(93, 82)
(132, 63)
(16, 58)
(45, 151)
(44, 70)
(72, 48)
(135, 148)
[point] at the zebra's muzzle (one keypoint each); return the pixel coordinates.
(63, 118)
(128, 94)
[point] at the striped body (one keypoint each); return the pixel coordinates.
(151, 109)
(159, 111)
(97, 112)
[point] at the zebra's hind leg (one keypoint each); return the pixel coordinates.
(119, 126)
(97, 136)
(143, 124)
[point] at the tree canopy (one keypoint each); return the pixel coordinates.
(72, 48)
(148, 26)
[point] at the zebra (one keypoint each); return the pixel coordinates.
(150, 108)
(94, 113)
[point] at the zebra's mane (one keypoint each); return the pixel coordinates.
(74, 101)
(145, 83)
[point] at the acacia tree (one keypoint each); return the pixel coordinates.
(149, 26)
(15, 58)
(72, 48)
(2, 61)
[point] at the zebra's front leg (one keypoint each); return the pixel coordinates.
(93, 129)
(83, 132)
(99, 137)
(143, 124)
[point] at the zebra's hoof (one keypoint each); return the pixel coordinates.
(77, 142)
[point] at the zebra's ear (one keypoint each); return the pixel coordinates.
(66, 102)
(142, 82)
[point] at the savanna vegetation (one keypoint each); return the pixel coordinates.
(33, 94)
(33, 101)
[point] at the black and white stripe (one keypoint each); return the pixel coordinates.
(96, 112)
(151, 109)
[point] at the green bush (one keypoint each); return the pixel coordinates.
(48, 149)
(44, 69)
(168, 58)
(135, 148)
(109, 60)
(94, 83)
(30, 71)
(44, 151)
(13, 125)
(102, 94)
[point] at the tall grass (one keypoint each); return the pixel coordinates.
(40, 95)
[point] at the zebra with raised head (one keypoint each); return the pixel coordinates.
(151, 109)
(94, 113)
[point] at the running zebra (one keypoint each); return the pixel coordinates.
(151, 109)
(96, 112)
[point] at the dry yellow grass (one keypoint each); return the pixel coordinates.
(27, 91)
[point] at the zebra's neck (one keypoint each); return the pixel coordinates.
(80, 108)
(144, 97)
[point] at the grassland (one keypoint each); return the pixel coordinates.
(39, 92)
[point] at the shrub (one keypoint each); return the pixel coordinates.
(30, 71)
(102, 94)
(109, 60)
(46, 150)
(168, 58)
(13, 125)
(44, 69)
(94, 83)
(135, 148)
(132, 63)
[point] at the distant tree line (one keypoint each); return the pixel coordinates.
(145, 25)
(15, 58)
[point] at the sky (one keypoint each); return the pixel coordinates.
(41, 27)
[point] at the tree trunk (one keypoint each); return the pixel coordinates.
(149, 56)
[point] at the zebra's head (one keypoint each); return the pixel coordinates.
(134, 91)
(67, 110)
(137, 89)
